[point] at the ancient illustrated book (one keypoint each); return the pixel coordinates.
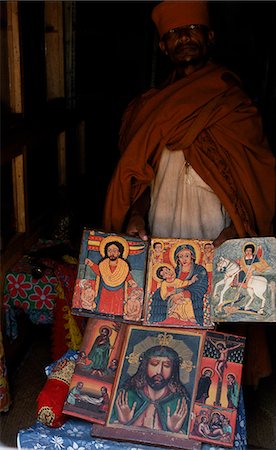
(244, 281)
(167, 380)
(110, 279)
(178, 283)
(92, 381)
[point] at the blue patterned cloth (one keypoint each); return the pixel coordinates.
(75, 434)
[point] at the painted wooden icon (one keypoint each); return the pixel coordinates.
(111, 273)
(92, 381)
(178, 283)
(168, 379)
(244, 281)
(154, 387)
(218, 388)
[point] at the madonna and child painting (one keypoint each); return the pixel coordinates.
(179, 280)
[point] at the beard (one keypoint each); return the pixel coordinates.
(190, 54)
(193, 61)
(157, 382)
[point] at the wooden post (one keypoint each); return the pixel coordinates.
(70, 49)
(54, 49)
(18, 176)
(14, 58)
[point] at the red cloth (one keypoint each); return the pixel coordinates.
(51, 399)
(208, 116)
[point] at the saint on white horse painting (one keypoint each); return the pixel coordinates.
(244, 281)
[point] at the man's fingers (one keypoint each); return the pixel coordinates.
(143, 235)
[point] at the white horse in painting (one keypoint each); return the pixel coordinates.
(256, 284)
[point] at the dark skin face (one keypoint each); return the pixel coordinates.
(188, 49)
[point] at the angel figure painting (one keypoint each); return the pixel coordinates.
(154, 389)
(110, 280)
(178, 282)
(218, 388)
(244, 281)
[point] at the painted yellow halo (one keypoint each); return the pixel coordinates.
(157, 241)
(205, 370)
(156, 267)
(190, 242)
(232, 375)
(107, 328)
(114, 239)
(221, 342)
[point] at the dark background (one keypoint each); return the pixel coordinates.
(115, 58)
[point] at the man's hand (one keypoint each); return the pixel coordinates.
(175, 422)
(125, 413)
(136, 227)
(88, 262)
(138, 212)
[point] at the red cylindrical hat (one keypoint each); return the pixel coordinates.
(169, 14)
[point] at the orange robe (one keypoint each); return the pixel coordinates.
(210, 118)
(220, 131)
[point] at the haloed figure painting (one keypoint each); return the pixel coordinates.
(110, 280)
(178, 282)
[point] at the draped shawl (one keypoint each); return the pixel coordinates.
(210, 118)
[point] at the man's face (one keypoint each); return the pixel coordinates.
(167, 274)
(113, 252)
(135, 294)
(207, 373)
(104, 332)
(158, 248)
(88, 294)
(230, 379)
(159, 371)
(208, 248)
(249, 252)
(187, 46)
